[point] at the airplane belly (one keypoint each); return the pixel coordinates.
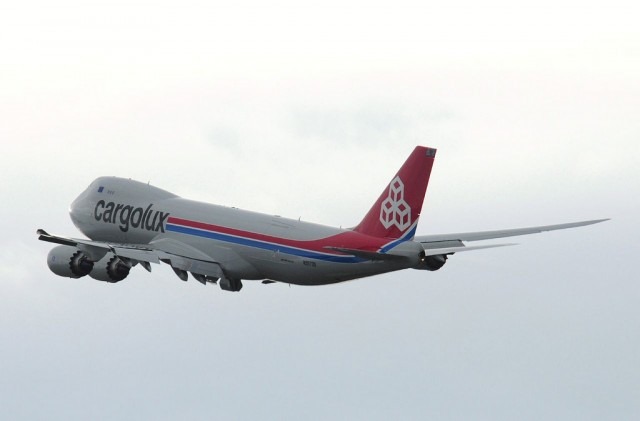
(287, 268)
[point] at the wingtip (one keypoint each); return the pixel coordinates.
(597, 221)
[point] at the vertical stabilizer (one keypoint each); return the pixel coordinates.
(395, 214)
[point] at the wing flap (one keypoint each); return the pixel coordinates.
(197, 266)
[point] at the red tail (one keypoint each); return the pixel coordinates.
(396, 212)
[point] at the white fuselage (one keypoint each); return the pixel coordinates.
(248, 245)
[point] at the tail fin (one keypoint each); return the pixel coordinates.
(395, 214)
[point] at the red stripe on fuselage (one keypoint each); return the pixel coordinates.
(346, 239)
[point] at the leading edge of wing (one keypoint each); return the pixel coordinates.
(487, 235)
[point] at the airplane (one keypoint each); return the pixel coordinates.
(129, 223)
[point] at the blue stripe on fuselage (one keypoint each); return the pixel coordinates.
(263, 245)
(409, 234)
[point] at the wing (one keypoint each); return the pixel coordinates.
(487, 235)
(179, 255)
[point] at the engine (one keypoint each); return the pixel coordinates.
(111, 268)
(431, 263)
(69, 262)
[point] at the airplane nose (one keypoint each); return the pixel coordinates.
(80, 210)
(74, 210)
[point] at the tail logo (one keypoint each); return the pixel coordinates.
(394, 209)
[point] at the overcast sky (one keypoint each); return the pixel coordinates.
(307, 109)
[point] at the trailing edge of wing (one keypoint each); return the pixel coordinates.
(487, 235)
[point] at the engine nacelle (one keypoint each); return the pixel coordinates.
(432, 263)
(111, 268)
(230, 284)
(69, 262)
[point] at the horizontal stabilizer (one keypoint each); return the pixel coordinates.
(449, 250)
